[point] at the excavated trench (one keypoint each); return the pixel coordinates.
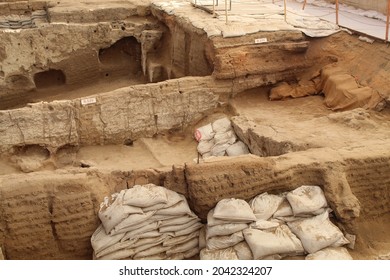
(91, 106)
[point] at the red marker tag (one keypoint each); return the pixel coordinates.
(198, 135)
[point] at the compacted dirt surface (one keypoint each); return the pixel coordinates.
(110, 114)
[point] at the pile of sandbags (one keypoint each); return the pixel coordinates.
(218, 139)
(285, 225)
(146, 222)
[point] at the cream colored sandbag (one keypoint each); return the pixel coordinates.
(193, 228)
(202, 238)
(205, 147)
(172, 199)
(159, 256)
(204, 133)
(222, 242)
(183, 247)
(151, 251)
(306, 199)
(132, 222)
(116, 247)
(222, 125)
(180, 208)
(266, 225)
(211, 221)
(243, 251)
(147, 227)
(219, 150)
(112, 215)
(339, 253)
(223, 254)
(284, 210)
(237, 149)
(147, 234)
(316, 233)
(228, 137)
(281, 241)
(145, 196)
(173, 241)
(226, 229)
(101, 240)
(265, 205)
(174, 228)
(232, 209)
(178, 220)
(118, 255)
(190, 253)
(135, 244)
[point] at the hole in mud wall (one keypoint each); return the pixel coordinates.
(50, 78)
(33, 151)
(123, 57)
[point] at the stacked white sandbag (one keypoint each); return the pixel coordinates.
(225, 225)
(219, 139)
(146, 222)
(274, 227)
(330, 253)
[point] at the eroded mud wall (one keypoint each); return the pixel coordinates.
(46, 215)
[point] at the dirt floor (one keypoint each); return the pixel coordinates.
(292, 134)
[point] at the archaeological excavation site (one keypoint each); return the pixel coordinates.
(172, 130)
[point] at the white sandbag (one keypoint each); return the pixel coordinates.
(180, 220)
(219, 150)
(339, 253)
(306, 199)
(159, 256)
(237, 149)
(265, 205)
(101, 240)
(266, 225)
(172, 199)
(316, 233)
(183, 247)
(222, 125)
(223, 254)
(204, 133)
(202, 238)
(180, 208)
(281, 241)
(191, 253)
(147, 234)
(232, 209)
(147, 226)
(228, 137)
(112, 215)
(243, 251)
(151, 251)
(173, 241)
(141, 247)
(226, 229)
(145, 196)
(284, 210)
(132, 222)
(154, 207)
(189, 230)
(222, 242)
(211, 221)
(174, 228)
(116, 247)
(205, 147)
(118, 255)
